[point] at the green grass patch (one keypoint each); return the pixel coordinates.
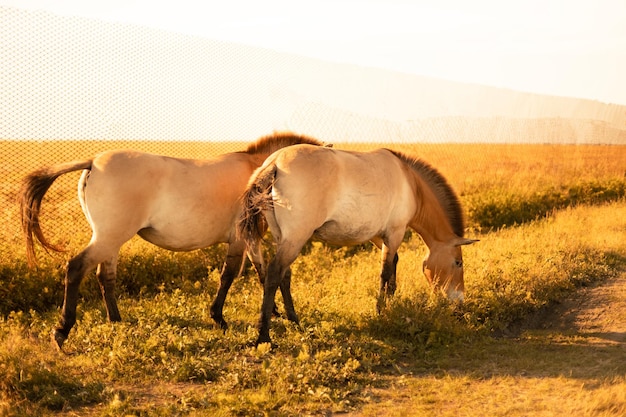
(31, 381)
(167, 357)
(498, 208)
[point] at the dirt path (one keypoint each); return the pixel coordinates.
(567, 359)
(597, 313)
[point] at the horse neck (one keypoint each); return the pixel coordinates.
(257, 159)
(259, 156)
(430, 220)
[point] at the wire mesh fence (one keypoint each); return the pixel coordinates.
(72, 87)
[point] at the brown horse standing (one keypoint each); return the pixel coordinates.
(347, 198)
(177, 204)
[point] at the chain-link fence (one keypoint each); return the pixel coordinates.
(75, 86)
(72, 87)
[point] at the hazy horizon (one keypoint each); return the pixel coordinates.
(68, 77)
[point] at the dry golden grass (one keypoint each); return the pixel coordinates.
(468, 166)
(415, 359)
(505, 396)
(474, 168)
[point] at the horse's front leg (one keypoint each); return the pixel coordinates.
(230, 270)
(387, 278)
(106, 274)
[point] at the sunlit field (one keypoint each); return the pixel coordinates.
(551, 219)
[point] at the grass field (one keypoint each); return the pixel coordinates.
(550, 218)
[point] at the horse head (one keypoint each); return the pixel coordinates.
(443, 267)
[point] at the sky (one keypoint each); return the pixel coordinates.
(565, 48)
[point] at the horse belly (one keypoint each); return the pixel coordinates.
(346, 233)
(191, 215)
(188, 224)
(184, 236)
(358, 217)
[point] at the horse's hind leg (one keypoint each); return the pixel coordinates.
(106, 274)
(76, 269)
(256, 257)
(275, 273)
(285, 290)
(278, 275)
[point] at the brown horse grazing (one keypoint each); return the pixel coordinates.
(177, 204)
(347, 198)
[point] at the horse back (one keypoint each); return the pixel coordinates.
(175, 203)
(341, 196)
(175, 176)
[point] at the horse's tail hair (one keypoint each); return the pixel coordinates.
(34, 187)
(256, 198)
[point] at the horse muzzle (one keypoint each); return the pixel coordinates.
(455, 295)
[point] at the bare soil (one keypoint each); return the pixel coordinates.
(568, 358)
(597, 313)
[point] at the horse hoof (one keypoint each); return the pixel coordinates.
(115, 318)
(58, 338)
(262, 340)
(220, 322)
(294, 319)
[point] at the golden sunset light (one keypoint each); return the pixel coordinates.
(399, 208)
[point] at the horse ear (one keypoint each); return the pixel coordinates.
(463, 241)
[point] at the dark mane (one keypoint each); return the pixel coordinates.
(270, 143)
(448, 199)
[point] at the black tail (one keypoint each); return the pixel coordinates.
(34, 187)
(257, 197)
